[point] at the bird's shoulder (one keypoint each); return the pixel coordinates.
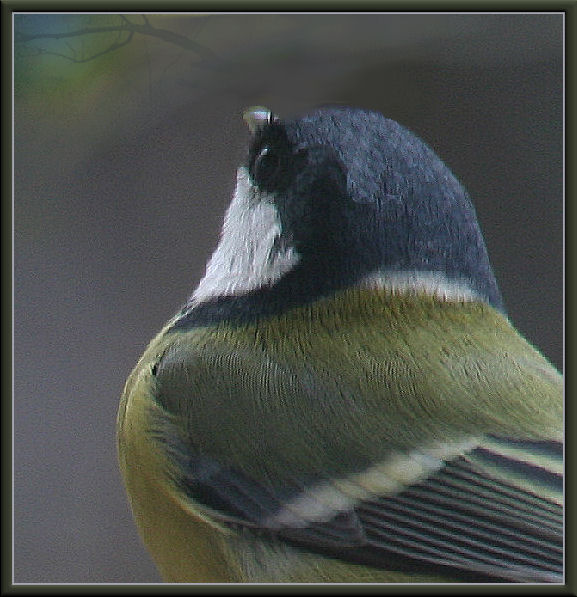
(379, 352)
(327, 435)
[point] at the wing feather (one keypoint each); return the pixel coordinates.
(461, 520)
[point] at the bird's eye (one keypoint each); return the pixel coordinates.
(267, 167)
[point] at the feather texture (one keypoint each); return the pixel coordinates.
(365, 461)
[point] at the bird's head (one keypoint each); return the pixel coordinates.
(343, 197)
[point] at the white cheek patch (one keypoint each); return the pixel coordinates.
(250, 253)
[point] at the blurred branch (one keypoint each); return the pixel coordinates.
(125, 26)
(110, 48)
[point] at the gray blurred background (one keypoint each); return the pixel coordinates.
(125, 163)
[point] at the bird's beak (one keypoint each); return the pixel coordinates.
(257, 117)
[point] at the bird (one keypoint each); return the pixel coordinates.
(343, 398)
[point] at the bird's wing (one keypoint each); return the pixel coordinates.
(492, 514)
(290, 452)
(466, 519)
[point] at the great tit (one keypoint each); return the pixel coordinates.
(343, 398)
